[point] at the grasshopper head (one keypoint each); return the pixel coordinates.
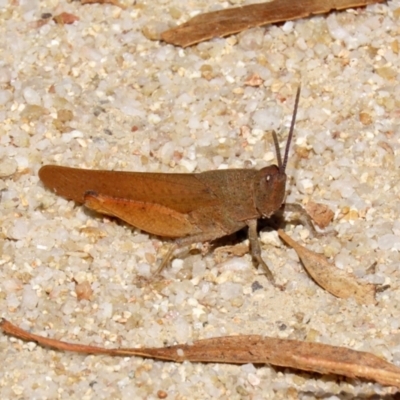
(270, 190)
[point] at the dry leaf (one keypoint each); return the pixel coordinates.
(233, 20)
(113, 2)
(321, 214)
(237, 250)
(335, 281)
(244, 349)
(65, 18)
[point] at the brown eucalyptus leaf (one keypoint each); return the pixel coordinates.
(244, 349)
(335, 281)
(233, 20)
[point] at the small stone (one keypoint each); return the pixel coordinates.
(29, 297)
(65, 115)
(32, 97)
(5, 97)
(84, 291)
(256, 286)
(33, 112)
(152, 30)
(388, 242)
(8, 167)
(254, 80)
(19, 231)
(5, 75)
(162, 394)
(365, 118)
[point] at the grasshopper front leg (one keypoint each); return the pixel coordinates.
(305, 219)
(256, 249)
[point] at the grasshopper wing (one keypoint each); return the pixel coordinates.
(156, 203)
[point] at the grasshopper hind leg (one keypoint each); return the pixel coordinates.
(166, 259)
(184, 242)
(207, 237)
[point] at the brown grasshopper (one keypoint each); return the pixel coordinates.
(189, 208)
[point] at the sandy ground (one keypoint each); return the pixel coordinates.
(99, 94)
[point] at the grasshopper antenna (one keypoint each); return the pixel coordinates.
(277, 150)
(282, 167)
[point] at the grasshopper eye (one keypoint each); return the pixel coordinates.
(270, 173)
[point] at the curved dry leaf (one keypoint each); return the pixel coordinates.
(335, 281)
(321, 214)
(244, 349)
(233, 20)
